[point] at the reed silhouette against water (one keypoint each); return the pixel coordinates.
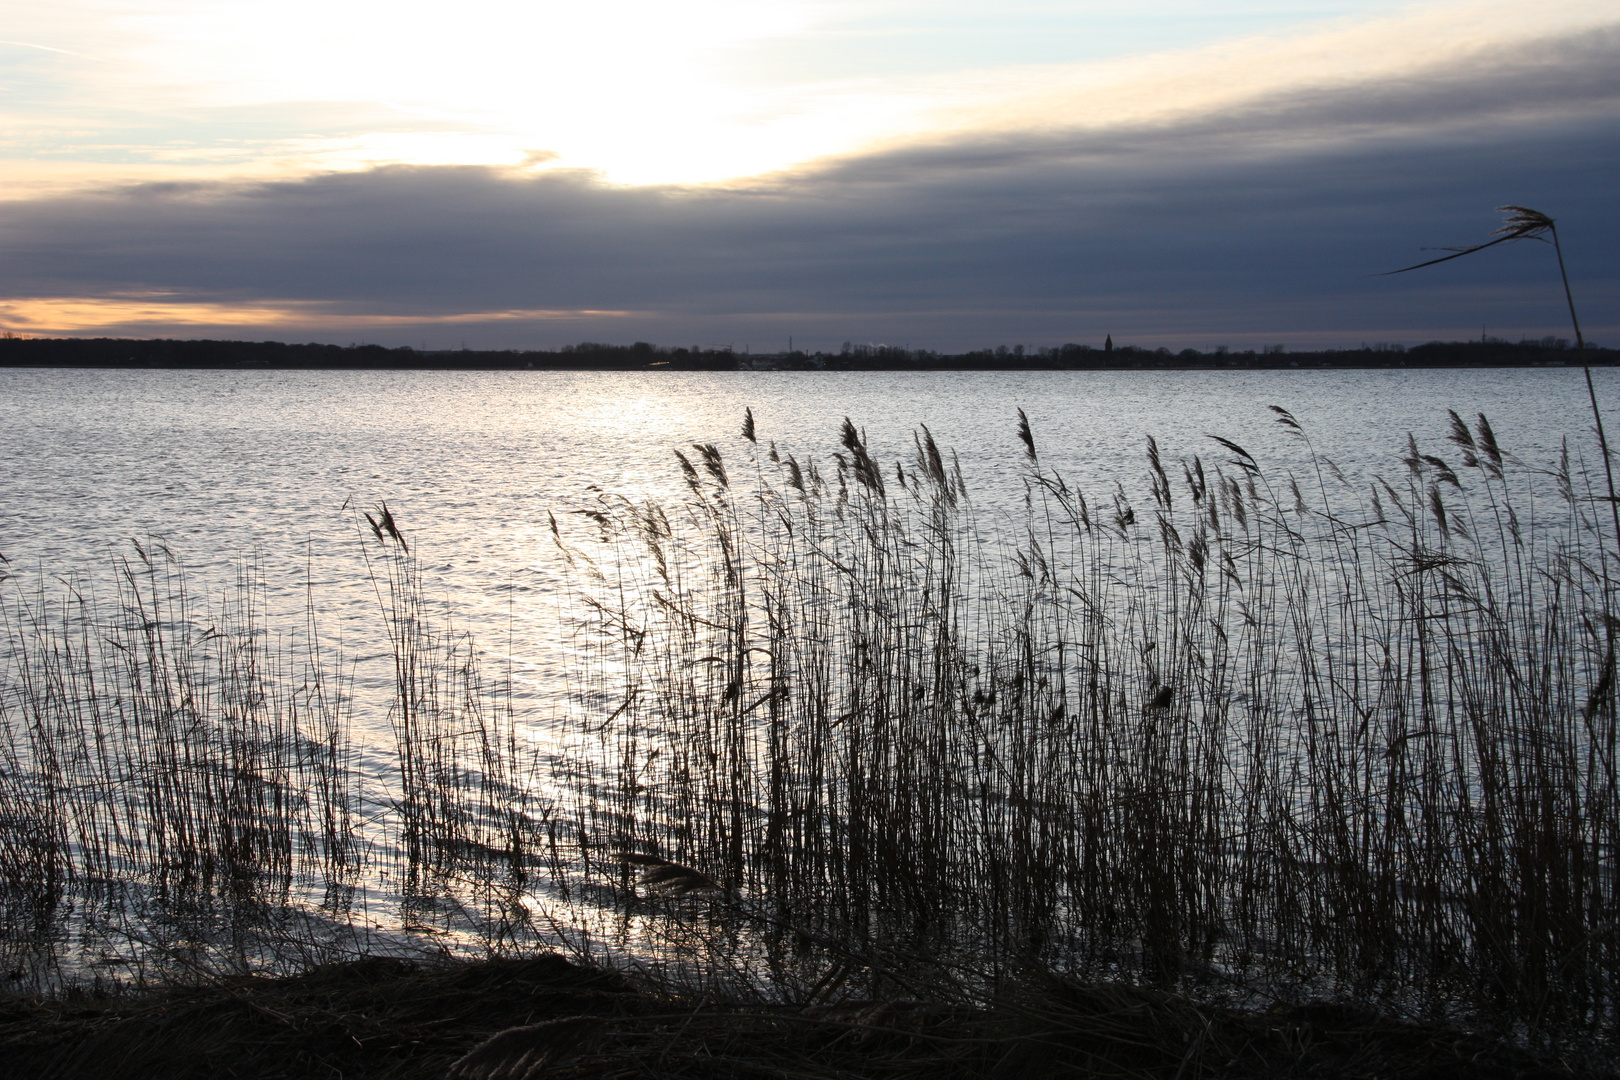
(1258, 733)
(1254, 736)
(182, 794)
(1523, 223)
(170, 777)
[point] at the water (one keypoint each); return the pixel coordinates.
(221, 464)
(274, 465)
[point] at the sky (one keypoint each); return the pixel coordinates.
(945, 175)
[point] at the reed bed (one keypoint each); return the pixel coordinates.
(169, 785)
(832, 733)
(183, 795)
(1258, 736)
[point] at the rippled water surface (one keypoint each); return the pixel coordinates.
(273, 463)
(273, 469)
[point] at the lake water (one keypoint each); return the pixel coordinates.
(275, 466)
(273, 463)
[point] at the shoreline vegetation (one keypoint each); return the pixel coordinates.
(592, 356)
(1256, 772)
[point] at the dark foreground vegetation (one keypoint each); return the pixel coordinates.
(381, 1019)
(1197, 777)
(591, 356)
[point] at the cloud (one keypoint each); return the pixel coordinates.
(695, 92)
(1255, 221)
(167, 312)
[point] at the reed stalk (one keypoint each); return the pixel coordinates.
(1245, 735)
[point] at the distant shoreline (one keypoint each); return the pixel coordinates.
(589, 356)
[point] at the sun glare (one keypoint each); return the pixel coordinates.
(638, 90)
(624, 86)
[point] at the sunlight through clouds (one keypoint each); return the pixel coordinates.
(125, 314)
(645, 92)
(612, 86)
(522, 59)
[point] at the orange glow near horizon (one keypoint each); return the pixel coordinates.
(56, 315)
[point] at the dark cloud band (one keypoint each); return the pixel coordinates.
(1262, 220)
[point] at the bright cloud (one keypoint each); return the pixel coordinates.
(646, 91)
(358, 170)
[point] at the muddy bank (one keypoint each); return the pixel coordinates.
(545, 1016)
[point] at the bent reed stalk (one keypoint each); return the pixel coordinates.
(1255, 737)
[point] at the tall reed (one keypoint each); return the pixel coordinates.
(832, 732)
(172, 786)
(1272, 734)
(182, 793)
